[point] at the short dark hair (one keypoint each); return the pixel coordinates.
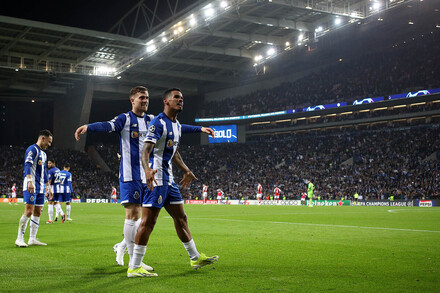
(51, 160)
(137, 89)
(45, 132)
(66, 165)
(168, 91)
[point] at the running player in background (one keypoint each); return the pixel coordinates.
(66, 190)
(13, 194)
(132, 130)
(159, 155)
(259, 193)
(114, 200)
(276, 192)
(54, 183)
(34, 185)
(205, 193)
(310, 189)
(219, 196)
(303, 198)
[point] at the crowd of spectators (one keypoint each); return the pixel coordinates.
(386, 161)
(414, 65)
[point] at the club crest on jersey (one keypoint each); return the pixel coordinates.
(136, 195)
(32, 198)
(152, 128)
(134, 134)
(170, 143)
(159, 200)
(40, 162)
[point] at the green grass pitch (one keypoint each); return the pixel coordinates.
(261, 249)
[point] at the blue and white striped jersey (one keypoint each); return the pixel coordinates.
(35, 163)
(54, 179)
(132, 130)
(165, 134)
(65, 182)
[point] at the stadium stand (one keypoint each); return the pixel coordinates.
(404, 67)
(386, 161)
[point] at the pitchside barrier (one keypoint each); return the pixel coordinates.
(334, 203)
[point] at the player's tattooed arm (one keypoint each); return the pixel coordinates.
(149, 173)
(188, 176)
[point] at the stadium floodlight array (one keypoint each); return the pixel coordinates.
(206, 13)
(322, 107)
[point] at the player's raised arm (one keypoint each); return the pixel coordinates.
(114, 125)
(194, 129)
(188, 176)
(149, 173)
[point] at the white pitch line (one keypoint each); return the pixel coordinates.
(321, 225)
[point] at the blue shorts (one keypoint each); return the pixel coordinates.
(36, 199)
(58, 197)
(132, 191)
(162, 196)
(66, 197)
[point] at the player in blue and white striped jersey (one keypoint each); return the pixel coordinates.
(159, 154)
(66, 190)
(34, 186)
(54, 183)
(132, 130)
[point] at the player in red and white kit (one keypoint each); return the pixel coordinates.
(114, 200)
(303, 198)
(13, 194)
(219, 196)
(205, 193)
(277, 194)
(259, 193)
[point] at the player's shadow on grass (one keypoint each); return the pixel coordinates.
(108, 270)
(186, 273)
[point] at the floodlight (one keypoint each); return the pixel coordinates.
(270, 51)
(209, 12)
(376, 5)
(258, 58)
(151, 48)
(338, 21)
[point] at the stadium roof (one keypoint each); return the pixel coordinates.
(209, 43)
